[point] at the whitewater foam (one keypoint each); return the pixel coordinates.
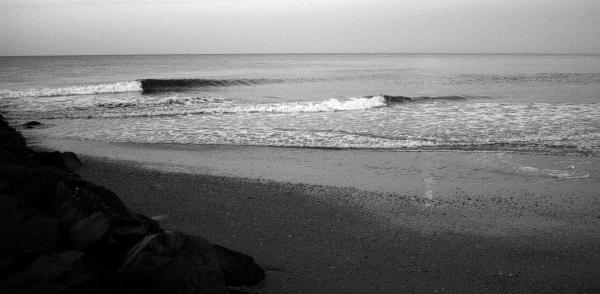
(178, 106)
(119, 87)
(160, 102)
(330, 105)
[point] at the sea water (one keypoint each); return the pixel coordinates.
(531, 103)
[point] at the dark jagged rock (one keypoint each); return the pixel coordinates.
(14, 173)
(8, 157)
(10, 214)
(239, 269)
(60, 234)
(32, 124)
(71, 161)
(89, 230)
(65, 160)
(26, 238)
(34, 186)
(98, 222)
(11, 140)
(173, 262)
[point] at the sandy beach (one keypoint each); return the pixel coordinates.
(447, 222)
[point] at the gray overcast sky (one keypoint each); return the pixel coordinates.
(58, 27)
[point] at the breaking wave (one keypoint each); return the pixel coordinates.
(130, 86)
(145, 86)
(215, 106)
(162, 102)
(322, 106)
(115, 107)
(148, 86)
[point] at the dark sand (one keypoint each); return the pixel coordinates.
(321, 239)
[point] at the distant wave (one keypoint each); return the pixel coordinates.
(563, 78)
(130, 86)
(404, 99)
(173, 85)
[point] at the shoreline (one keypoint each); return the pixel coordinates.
(494, 194)
(315, 239)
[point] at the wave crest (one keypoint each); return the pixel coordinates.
(145, 86)
(174, 85)
(119, 87)
(329, 105)
(211, 106)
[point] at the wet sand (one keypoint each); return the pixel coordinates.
(427, 221)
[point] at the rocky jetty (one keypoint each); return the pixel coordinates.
(61, 234)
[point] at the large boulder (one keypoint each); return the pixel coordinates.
(99, 223)
(238, 269)
(64, 160)
(89, 230)
(172, 262)
(11, 140)
(25, 239)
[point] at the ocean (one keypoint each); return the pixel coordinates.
(522, 103)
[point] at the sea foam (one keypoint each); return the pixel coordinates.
(187, 108)
(119, 87)
(329, 105)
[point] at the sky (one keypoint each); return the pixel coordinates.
(74, 27)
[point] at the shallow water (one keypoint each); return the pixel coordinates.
(557, 183)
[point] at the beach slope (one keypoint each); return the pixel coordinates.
(320, 239)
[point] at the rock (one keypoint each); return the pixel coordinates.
(71, 162)
(4, 184)
(89, 230)
(15, 173)
(68, 215)
(151, 224)
(65, 160)
(32, 124)
(39, 187)
(22, 240)
(238, 269)
(12, 158)
(61, 272)
(60, 234)
(30, 190)
(11, 140)
(10, 215)
(89, 198)
(172, 262)
(107, 238)
(139, 259)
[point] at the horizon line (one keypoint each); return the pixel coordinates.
(314, 53)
